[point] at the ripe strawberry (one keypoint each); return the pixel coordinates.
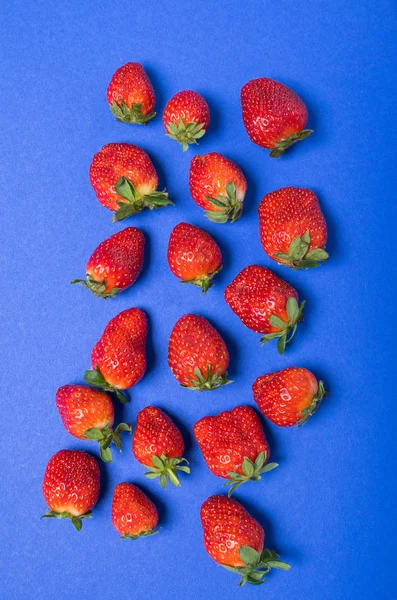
(131, 95)
(115, 265)
(119, 358)
(292, 228)
(235, 540)
(125, 180)
(234, 446)
(274, 116)
(71, 486)
(133, 514)
(186, 118)
(265, 304)
(158, 444)
(88, 414)
(218, 185)
(288, 397)
(197, 355)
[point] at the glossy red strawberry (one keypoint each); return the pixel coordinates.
(288, 397)
(218, 185)
(115, 265)
(235, 540)
(133, 514)
(266, 304)
(274, 116)
(158, 444)
(197, 355)
(125, 180)
(234, 446)
(71, 486)
(119, 358)
(131, 95)
(186, 118)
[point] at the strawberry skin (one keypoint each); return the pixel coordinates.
(133, 514)
(218, 185)
(273, 115)
(288, 397)
(293, 230)
(186, 118)
(131, 95)
(71, 486)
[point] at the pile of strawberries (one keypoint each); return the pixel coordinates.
(293, 233)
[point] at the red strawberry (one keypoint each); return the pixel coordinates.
(197, 355)
(119, 358)
(235, 540)
(131, 95)
(218, 185)
(266, 304)
(186, 118)
(234, 446)
(273, 115)
(292, 228)
(71, 486)
(115, 265)
(158, 444)
(288, 397)
(194, 256)
(88, 414)
(125, 180)
(133, 514)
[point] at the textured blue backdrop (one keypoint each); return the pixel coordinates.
(328, 507)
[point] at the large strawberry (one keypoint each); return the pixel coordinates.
(292, 228)
(197, 355)
(125, 180)
(235, 540)
(130, 94)
(186, 118)
(288, 397)
(234, 446)
(218, 185)
(274, 116)
(119, 358)
(266, 304)
(115, 265)
(71, 486)
(158, 444)
(133, 514)
(194, 256)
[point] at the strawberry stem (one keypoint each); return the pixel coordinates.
(230, 208)
(207, 382)
(299, 257)
(132, 114)
(252, 471)
(257, 566)
(97, 287)
(105, 437)
(282, 145)
(94, 377)
(286, 330)
(133, 203)
(76, 521)
(185, 134)
(203, 281)
(166, 468)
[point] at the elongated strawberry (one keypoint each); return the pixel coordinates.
(266, 304)
(158, 444)
(71, 486)
(218, 185)
(125, 180)
(234, 446)
(119, 358)
(133, 514)
(131, 95)
(235, 540)
(186, 118)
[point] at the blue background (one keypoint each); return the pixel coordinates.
(328, 508)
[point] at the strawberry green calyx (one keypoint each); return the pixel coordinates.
(299, 257)
(105, 437)
(125, 114)
(231, 207)
(134, 203)
(257, 566)
(203, 281)
(76, 521)
(131, 536)
(281, 146)
(252, 471)
(97, 287)
(287, 330)
(95, 378)
(313, 406)
(166, 469)
(208, 381)
(185, 134)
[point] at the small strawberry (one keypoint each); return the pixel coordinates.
(288, 397)
(125, 180)
(235, 540)
(266, 304)
(71, 486)
(158, 444)
(115, 265)
(218, 185)
(234, 446)
(131, 95)
(133, 514)
(119, 358)
(274, 116)
(292, 228)
(88, 414)
(197, 355)
(186, 118)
